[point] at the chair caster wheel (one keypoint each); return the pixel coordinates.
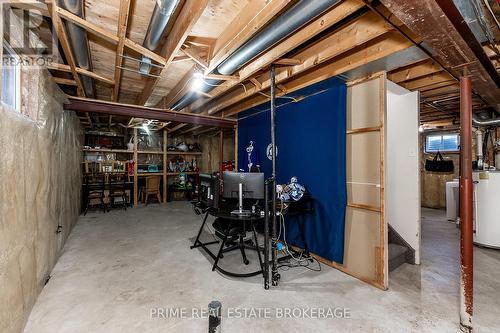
(246, 262)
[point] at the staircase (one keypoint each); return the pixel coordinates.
(400, 252)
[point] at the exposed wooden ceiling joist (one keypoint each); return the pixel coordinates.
(79, 70)
(445, 33)
(254, 16)
(323, 22)
(366, 53)
(122, 32)
(107, 35)
(356, 33)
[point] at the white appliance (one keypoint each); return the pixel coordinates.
(452, 199)
(486, 208)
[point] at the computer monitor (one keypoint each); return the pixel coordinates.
(243, 185)
(208, 190)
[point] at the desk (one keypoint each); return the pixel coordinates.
(226, 215)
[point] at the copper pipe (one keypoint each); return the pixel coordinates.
(466, 228)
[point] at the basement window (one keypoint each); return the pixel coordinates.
(442, 143)
(11, 78)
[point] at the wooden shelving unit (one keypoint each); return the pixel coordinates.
(135, 152)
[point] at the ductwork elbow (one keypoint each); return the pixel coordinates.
(163, 11)
(495, 122)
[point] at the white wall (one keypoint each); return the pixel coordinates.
(402, 181)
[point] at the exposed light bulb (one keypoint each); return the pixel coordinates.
(197, 82)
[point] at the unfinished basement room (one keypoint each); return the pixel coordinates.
(250, 166)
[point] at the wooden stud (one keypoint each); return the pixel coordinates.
(136, 165)
(165, 166)
(236, 147)
(383, 280)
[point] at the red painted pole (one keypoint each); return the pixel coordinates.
(466, 228)
(221, 150)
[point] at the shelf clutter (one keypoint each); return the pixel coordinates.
(147, 155)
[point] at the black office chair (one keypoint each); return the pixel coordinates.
(232, 235)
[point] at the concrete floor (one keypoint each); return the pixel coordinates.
(117, 267)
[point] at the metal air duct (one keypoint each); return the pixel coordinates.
(283, 26)
(79, 43)
(159, 20)
(486, 122)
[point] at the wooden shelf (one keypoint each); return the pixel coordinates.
(139, 174)
(178, 173)
(150, 152)
(95, 150)
(184, 153)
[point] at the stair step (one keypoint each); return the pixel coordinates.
(397, 255)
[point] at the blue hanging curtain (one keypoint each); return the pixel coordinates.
(311, 141)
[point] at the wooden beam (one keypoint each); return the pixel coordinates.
(288, 62)
(368, 27)
(180, 59)
(176, 128)
(428, 80)
(66, 82)
(90, 27)
(63, 39)
(144, 51)
(106, 35)
(201, 41)
(189, 15)
(122, 34)
(414, 71)
(323, 22)
(255, 15)
(194, 56)
(222, 77)
(79, 70)
(120, 109)
(256, 83)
